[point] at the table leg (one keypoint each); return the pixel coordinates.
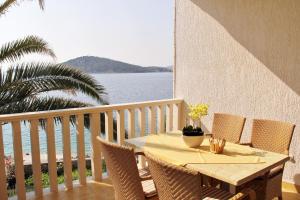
(232, 189)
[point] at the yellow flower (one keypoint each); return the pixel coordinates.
(197, 111)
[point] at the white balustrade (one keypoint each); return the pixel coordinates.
(162, 115)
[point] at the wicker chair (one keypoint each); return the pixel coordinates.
(229, 127)
(178, 183)
(124, 174)
(272, 136)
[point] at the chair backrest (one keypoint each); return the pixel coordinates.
(174, 182)
(227, 126)
(272, 135)
(122, 169)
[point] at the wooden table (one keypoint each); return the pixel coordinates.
(233, 174)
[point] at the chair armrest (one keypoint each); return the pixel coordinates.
(246, 193)
(208, 134)
(145, 178)
(139, 153)
(276, 171)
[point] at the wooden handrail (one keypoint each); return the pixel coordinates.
(85, 110)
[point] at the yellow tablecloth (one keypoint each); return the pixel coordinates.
(171, 148)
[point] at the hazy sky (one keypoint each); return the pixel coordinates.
(134, 31)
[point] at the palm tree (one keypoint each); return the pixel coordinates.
(22, 86)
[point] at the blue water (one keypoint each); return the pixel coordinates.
(121, 88)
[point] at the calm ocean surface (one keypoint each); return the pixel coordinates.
(121, 88)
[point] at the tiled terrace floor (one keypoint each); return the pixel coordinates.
(104, 191)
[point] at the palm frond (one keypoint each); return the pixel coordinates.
(15, 50)
(32, 79)
(9, 3)
(23, 89)
(40, 104)
(42, 4)
(6, 5)
(52, 103)
(32, 70)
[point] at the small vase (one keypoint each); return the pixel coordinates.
(193, 141)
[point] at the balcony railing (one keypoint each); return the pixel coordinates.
(163, 115)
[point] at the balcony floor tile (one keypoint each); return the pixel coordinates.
(104, 191)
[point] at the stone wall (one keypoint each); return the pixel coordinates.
(241, 57)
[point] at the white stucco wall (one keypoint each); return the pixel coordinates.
(241, 57)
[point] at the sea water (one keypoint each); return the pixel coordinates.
(120, 88)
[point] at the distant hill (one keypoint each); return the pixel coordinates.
(170, 68)
(92, 64)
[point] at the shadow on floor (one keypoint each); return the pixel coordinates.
(290, 196)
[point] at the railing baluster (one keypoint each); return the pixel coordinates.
(18, 156)
(181, 115)
(3, 189)
(51, 155)
(120, 126)
(109, 126)
(142, 121)
(131, 123)
(161, 119)
(178, 117)
(96, 153)
(169, 124)
(152, 119)
(67, 152)
(36, 160)
(165, 115)
(80, 149)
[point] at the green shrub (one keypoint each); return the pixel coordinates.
(60, 179)
(46, 182)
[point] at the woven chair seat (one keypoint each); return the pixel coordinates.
(258, 185)
(179, 183)
(148, 185)
(124, 174)
(149, 188)
(272, 136)
(153, 198)
(212, 193)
